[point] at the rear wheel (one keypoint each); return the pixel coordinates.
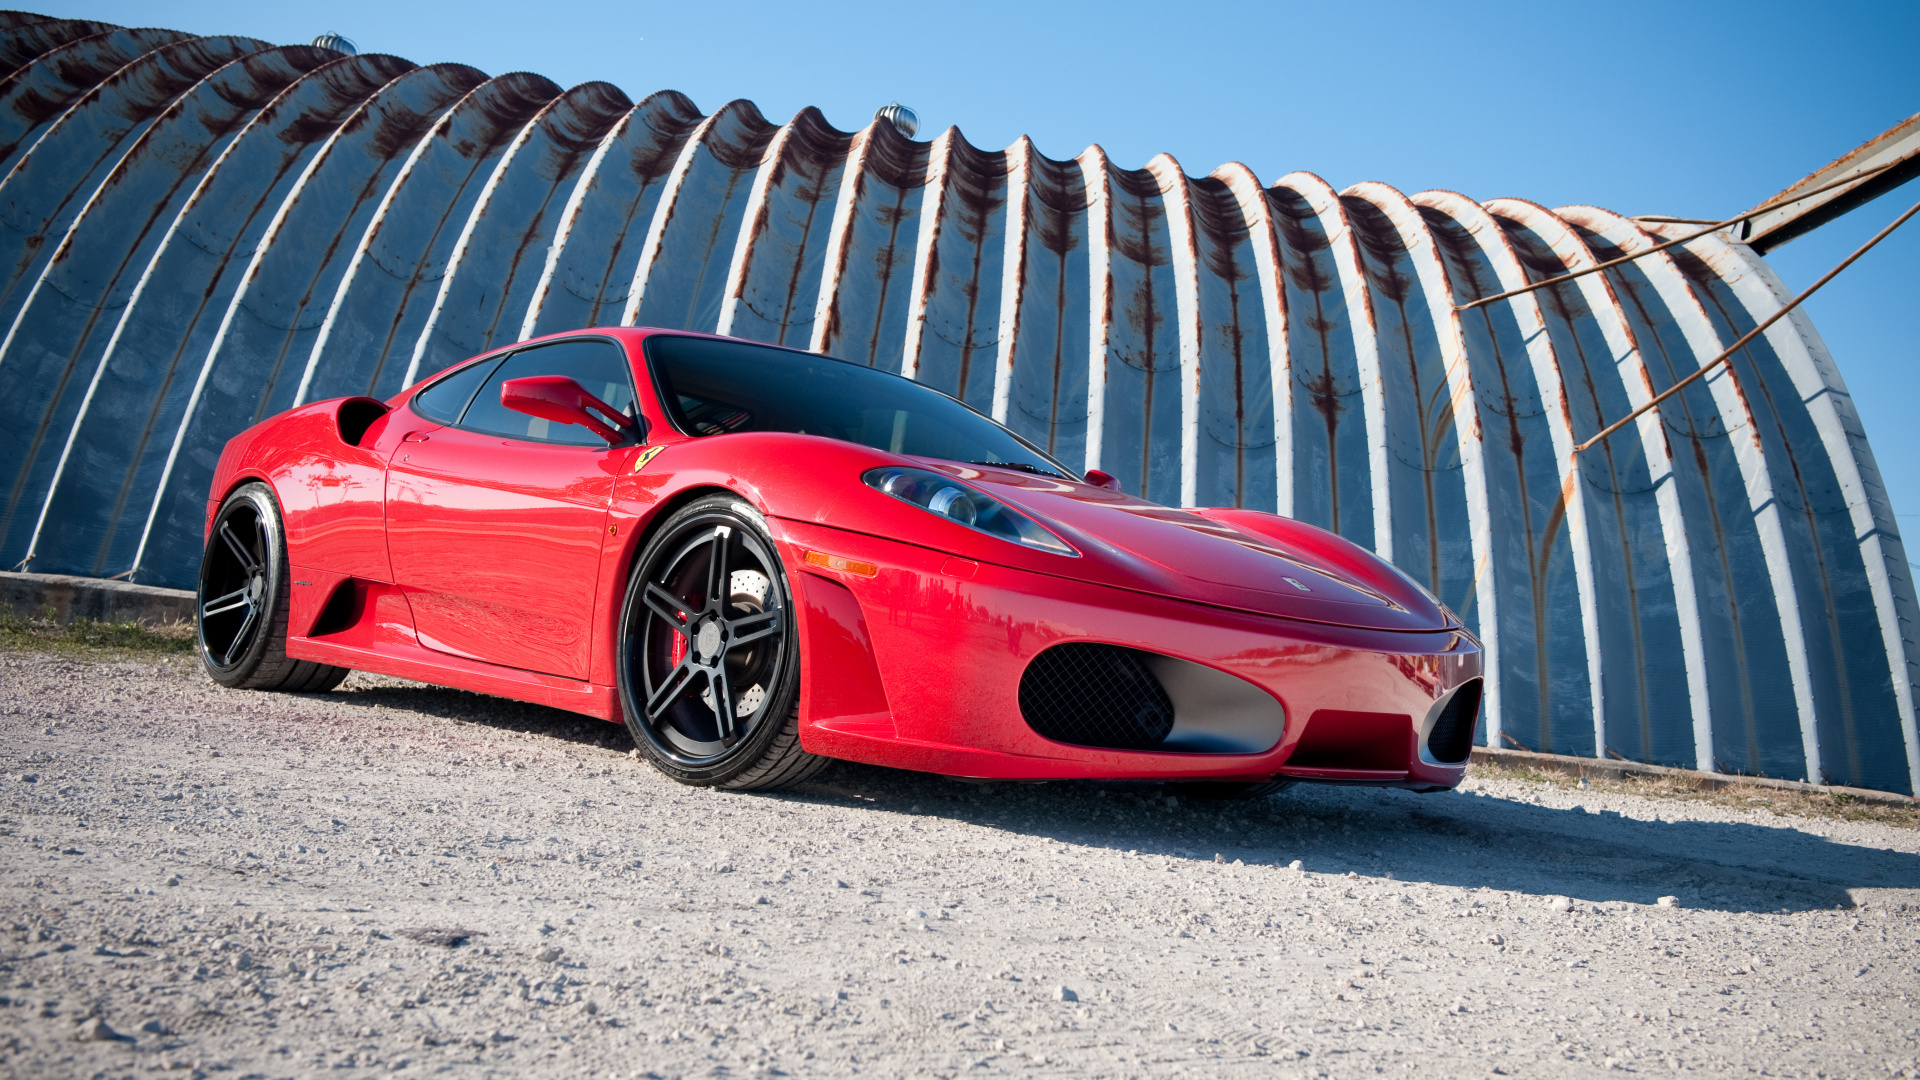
(1228, 790)
(709, 661)
(241, 629)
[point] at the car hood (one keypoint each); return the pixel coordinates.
(1227, 557)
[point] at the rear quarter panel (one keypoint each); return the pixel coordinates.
(330, 492)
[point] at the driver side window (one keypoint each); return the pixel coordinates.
(597, 364)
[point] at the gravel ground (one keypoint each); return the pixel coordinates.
(402, 879)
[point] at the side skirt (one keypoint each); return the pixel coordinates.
(425, 665)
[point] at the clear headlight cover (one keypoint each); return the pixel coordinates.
(943, 495)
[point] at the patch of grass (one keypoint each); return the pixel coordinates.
(20, 634)
(1837, 806)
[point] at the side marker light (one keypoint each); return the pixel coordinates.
(835, 562)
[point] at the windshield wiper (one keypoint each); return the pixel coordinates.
(1019, 465)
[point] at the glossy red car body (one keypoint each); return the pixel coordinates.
(495, 565)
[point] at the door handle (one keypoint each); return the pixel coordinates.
(415, 436)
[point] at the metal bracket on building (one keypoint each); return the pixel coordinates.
(1753, 333)
(1770, 206)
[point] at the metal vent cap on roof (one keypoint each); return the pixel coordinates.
(901, 117)
(336, 42)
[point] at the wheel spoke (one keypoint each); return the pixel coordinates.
(676, 681)
(247, 561)
(240, 638)
(235, 599)
(717, 577)
(667, 606)
(722, 701)
(751, 628)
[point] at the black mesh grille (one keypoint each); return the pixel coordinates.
(1095, 695)
(1452, 737)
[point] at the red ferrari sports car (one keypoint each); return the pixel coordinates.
(760, 559)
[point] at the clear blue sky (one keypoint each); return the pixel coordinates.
(1690, 109)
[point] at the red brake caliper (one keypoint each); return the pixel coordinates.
(677, 649)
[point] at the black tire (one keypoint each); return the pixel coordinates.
(698, 634)
(241, 624)
(1228, 790)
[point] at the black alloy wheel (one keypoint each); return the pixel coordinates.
(709, 661)
(241, 628)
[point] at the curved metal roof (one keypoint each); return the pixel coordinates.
(199, 232)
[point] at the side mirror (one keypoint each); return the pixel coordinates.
(1103, 480)
(561, 400)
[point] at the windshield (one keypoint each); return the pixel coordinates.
(712, 387)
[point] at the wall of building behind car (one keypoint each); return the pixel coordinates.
(199, 232)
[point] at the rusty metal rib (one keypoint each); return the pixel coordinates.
(1359, 303)
(1481, 608)
(1184, 254)
(1269, 264)
(1601, 300)
(36, 95)
(1817, 383)
(1736, 415)
(439, 76)
(1545, 366)
(501, 168)
(1099, 180)
(1013, 272)
(926, 263)
(337, 86)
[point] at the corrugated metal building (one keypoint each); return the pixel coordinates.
(198, 232)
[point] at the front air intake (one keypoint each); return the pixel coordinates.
(1451, 738)
(1096, 695)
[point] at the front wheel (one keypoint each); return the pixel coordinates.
(709, 657)
(241, 628)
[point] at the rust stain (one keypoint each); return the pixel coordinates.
(814, 150)
(1309, 275)
(242, 93)
(1057, 194)
(44, 88)
(1143, 215)
(399, 127)
(1710, 286)
(569, 130)
(24, 41)
(326, 94)
(1384, 252)
(476, 128)
(976, 188)
(671, 116)
(1219, 217)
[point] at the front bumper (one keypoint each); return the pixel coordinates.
(914, 660)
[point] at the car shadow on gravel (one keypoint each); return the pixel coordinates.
(1449, 839)
(504, 714)
(1446, 839)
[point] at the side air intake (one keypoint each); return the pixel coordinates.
(1096, 695)
(1450, 737)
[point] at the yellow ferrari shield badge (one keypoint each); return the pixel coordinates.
(646, 456)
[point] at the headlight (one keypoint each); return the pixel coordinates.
(955, 501)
